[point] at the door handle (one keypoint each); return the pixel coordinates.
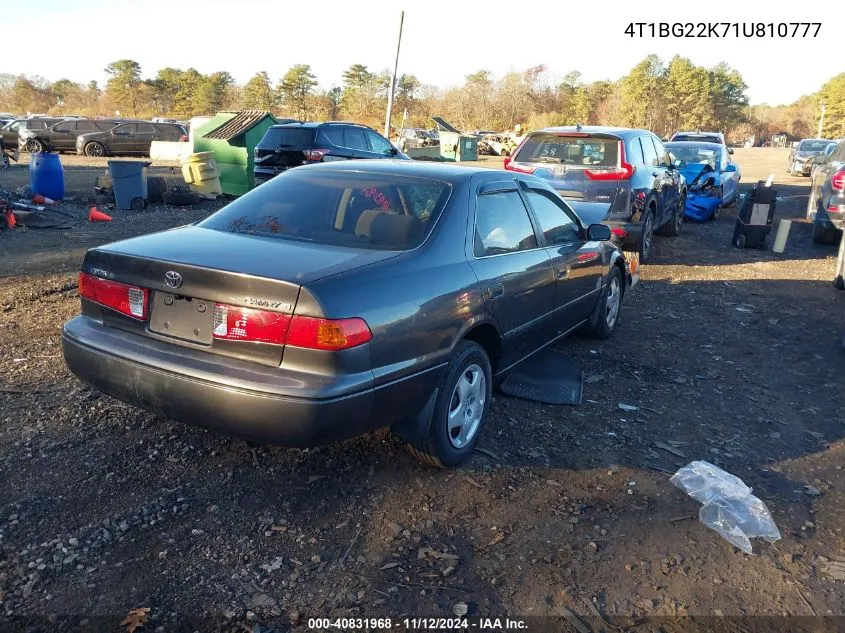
(496, 291)
(563, 273)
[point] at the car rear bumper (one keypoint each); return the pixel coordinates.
(831, 219)
(626, 234)
(249, 406)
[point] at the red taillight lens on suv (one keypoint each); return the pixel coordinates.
(510, 161)
(263, 326)
(838, 180)
(623, 171)
(316, 154)
(128, 300)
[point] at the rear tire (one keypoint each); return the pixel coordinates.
(34, 146)
(673, 227)
(460, 411)
(820, 234)
(647, 237)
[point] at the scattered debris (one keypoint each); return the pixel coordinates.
(460, 609)
(728, 507)
(670, 449)
(834, 569)
(628, 407)
(812, 490)
(135, 619)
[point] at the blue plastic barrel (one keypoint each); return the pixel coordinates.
(46, 176)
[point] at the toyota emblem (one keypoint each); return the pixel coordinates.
(173, 279)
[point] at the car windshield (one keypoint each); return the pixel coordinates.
(569, 150)
(813, 146)
(696, 155)
(339, 208)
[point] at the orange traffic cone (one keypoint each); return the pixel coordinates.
(10, 219)
(94, 215)
(39, 199)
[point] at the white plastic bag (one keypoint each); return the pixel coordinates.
(729, 507)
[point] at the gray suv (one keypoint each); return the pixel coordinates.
(826, 206)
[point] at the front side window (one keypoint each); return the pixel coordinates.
(145, 128)
(555, 223)
(649, 153)
(663, 158)
(128, 128)
(338, 208)
(69, 126)
(502, 225)
(379, 144)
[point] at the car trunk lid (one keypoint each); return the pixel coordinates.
(203, 283)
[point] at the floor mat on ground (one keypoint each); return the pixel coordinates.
(549, 376)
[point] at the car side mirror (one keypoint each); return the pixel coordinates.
(598, 233)
(391, 152)
(730, 150)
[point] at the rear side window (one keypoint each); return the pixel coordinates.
(68, 126)
(502, 225)
(295, 137)
(128, 128)
(555, 223)
(571, 150)
(354, 138)
(649, 153)
(634, 152)
(339, 208)
(146, 128)
(102, 126)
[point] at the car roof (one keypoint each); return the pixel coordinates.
(621, 132)
(316, 124)
(819, 140)
(698, 133)
(704, 144)
(447, 172)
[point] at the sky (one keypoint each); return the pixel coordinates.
(442, 41)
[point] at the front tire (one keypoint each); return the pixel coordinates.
(609, 307)
(460, 411)
(820, 234)
(95, 150)
(34, 146)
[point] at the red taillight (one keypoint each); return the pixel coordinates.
(328, 334)
(233, 323)
(510, 164)
(838, 180)
(619, 232)
(316, 154)
(623, 171)
(128, 300)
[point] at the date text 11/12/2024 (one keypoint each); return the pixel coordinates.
(724, 29)
(417, 624)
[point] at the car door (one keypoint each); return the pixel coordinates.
(145, 134)
(121, 138)
(671, 180)
(576, 262)
(730, 177)
(62, 136)
(514, 271)
(380, 147)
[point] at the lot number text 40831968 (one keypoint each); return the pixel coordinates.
(723, 29)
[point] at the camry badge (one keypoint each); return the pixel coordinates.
(173, 279)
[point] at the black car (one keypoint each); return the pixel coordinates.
(12, 128)
(132, 137)
(826, 206)
(294, 144)
(61, 136)
(344, 297)
(622, 177)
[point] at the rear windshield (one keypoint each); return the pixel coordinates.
(813, 146)
(361, 210)
(288, 137)
(701, 138)
(570, 150)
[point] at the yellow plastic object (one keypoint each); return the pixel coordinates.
(201, 173)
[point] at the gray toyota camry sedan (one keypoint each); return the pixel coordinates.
(340, 298)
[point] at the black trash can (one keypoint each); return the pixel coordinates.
(754, 220)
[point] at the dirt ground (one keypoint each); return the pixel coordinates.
(734, 357)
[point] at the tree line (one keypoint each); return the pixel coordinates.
(662, 97)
